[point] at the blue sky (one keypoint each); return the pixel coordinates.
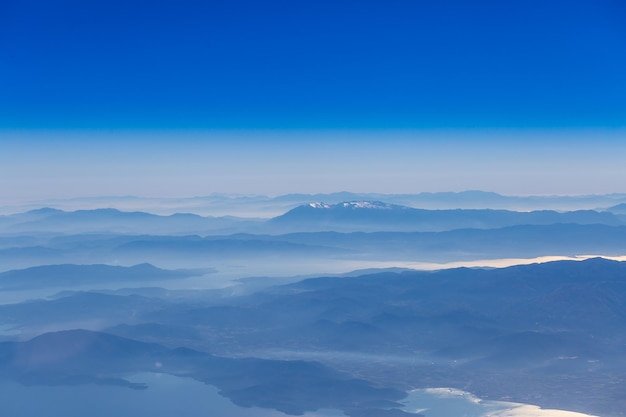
(312, 64)
(97, 97)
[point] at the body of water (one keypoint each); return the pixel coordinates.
(166, 396)
(171, 396)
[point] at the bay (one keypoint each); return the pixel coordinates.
(166, 396)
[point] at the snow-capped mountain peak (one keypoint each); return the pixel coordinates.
(367, 205)
(319, 205)
(353, 205)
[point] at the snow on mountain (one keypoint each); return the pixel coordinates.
(356, 205)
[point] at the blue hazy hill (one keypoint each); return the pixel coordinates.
(69, 275)
(112, 220)
(528, 241)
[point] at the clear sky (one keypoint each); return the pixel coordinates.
(192, 97)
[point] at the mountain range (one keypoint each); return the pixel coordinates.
(369, 216)
(265, 207)
(532, 334)
(247, 305)
(75, 357)
(341, 252)
(348, 216)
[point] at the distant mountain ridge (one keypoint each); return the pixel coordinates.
(70, 275)
(345, 216)
(265, 206)
(112, 220)
(368, 216)
(617, 209)
(322, 248)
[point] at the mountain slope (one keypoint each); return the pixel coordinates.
(81, 356)
(70, 275)
(368, 216)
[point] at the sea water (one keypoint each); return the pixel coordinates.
(166, 396)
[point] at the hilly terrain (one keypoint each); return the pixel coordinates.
(75, 357)
(344, 236)
(322, 252)
(272, 312)
(531, 334)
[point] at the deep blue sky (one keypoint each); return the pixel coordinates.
(312, 64)
(179, 98)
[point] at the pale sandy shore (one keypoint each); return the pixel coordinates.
(534, 411)
(470, 405)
